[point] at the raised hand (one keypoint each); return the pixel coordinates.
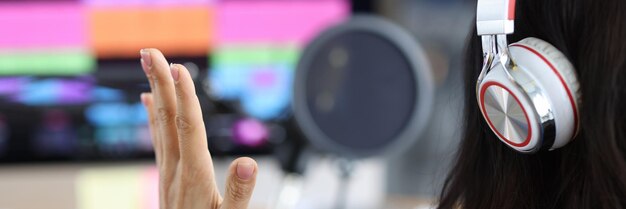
(187, 177)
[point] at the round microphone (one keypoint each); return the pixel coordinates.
(363, 88)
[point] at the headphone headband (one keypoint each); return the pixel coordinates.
(495, 17)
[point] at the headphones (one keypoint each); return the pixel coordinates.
(527, 91)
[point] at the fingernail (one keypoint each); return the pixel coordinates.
(245, 170)
(174, 70)
(146, 60)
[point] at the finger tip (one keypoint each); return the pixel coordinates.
(245, 168)
(183, 79)
(145, 98)
(175, 71)
(179, 67)
(152, 53)
(247, 160)
(148, 50)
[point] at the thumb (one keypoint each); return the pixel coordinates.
(240, 183)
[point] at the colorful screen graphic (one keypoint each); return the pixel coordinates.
(67, 37)
(257, 46)
(44, 38)
(46, 91)
(120, 28)
(64, 64)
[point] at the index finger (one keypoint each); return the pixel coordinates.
(158, 71)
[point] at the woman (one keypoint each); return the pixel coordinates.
(590, 171)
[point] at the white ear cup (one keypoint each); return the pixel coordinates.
(561, 63)
(553, 72)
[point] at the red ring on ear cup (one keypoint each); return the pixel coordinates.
(493, 128)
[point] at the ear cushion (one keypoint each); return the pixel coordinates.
(558, 60)
(559, 65)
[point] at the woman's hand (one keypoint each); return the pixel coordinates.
(187, 178)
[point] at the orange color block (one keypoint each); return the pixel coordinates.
(177, 31)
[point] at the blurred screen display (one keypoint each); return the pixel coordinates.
(45, 38)
(118, 28)
(70, 77)
(67, 37)
(257, 47)
(46, 91)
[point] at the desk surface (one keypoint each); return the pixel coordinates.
(91, 186)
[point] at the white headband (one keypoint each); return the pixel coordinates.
(495, 17)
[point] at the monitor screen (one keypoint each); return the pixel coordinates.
(70, 78)
(257, 47)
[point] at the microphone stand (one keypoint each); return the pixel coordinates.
(346, 168)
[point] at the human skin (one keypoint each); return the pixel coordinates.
(186, 173)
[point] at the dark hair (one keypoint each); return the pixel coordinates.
(589, 172)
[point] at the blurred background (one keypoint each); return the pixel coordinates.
(73, 133)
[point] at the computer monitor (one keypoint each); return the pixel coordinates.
(70, 77)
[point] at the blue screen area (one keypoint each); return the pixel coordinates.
(34, 91)
(122, 127)
(263, 90)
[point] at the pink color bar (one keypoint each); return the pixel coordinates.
(147, 2)
(280, 21)
(37, 25)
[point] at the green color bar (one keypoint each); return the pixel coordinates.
(50, 63)
(255, 55)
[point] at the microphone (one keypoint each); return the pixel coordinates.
(363, 88)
